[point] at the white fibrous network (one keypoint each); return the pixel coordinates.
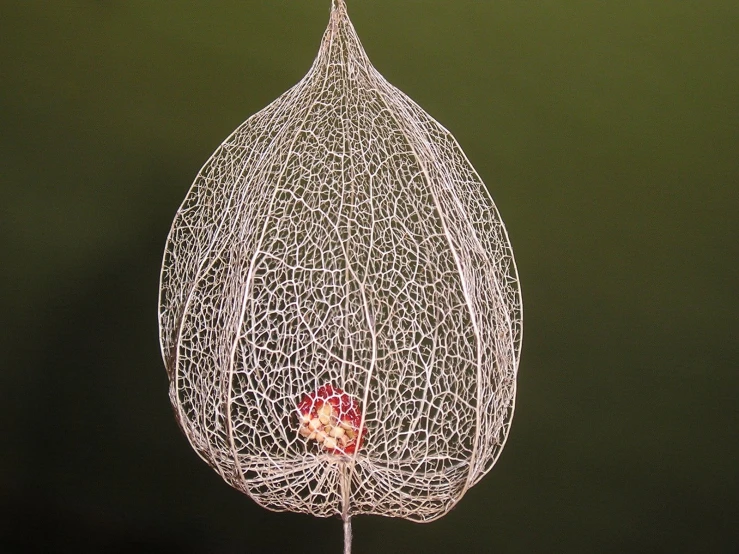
(340, 312)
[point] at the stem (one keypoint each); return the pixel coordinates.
(347, 534)
(345, 517)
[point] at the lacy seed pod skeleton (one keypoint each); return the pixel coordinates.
(340, 314)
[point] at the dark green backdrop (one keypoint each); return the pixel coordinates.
(608, 133)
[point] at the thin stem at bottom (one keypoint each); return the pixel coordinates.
(345, 485)
(347, 535)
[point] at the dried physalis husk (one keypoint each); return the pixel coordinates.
(340, 310)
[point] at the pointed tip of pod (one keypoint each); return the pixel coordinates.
(340, 31)
(338, 10)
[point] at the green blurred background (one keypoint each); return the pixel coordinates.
(608, 133)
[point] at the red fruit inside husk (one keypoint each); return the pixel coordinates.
(332, 418)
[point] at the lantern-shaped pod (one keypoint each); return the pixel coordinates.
(339, 308)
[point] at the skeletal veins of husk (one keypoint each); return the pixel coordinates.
(340, 237)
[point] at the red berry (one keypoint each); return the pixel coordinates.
(345, 409)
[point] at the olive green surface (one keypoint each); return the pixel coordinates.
(608, 134)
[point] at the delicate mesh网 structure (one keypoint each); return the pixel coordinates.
(340, 313)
